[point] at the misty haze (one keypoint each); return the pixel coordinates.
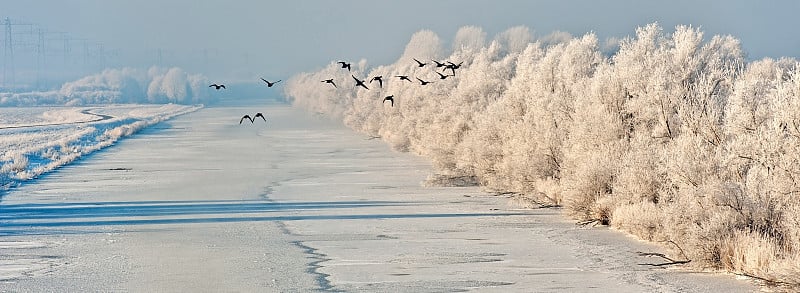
(385, 147)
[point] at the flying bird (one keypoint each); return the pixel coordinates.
(452, 66)
(329, 81)
(442, 76)
(379, 79)
(419, 62)
(259, 115)
(270, 84)
(359, 82)
(217, 86)
(345, 65)
(246, 117)
(403, 77)
(422, 82)
(390, 99)
(439, 64)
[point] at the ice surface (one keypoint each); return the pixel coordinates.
(296, 204)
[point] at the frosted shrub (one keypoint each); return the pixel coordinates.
(469, 38)
(453, 116)
(51, 153)
(643, 219)
(515, 39)
(487, 144)
(593, 149)
(585, 184)
(19, 163)
(791, 222)
(423, 45)
(173, 85)
(747, 108)
(555, 38)
(497, 132)
(555, 82)
(581, 156)
(763, 156)
(638, 177)
(325, 100)
(753, 255)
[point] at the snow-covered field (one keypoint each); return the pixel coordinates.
(297, 204)
(35, 140)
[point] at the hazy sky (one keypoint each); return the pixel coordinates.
(276, 39)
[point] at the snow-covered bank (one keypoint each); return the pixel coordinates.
(673, 138)
(36, 140)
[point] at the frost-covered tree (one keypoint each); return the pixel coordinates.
(762, 123)
(674, 138)
(515, 39)
(469, 39)
(490, 145)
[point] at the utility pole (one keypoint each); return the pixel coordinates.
(86, 55)
(48, 45)
(8, 55)
(10, 42)
(66, 51)
(40, 58)
(101, 55)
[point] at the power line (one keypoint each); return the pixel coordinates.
(8, 54)
(34, 45)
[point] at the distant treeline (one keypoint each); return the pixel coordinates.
(120, 86)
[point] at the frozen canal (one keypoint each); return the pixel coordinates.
(202, 204)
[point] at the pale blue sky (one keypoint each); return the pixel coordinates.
(279, 38)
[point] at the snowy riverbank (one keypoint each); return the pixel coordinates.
(36, 140)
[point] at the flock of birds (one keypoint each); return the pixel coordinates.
(248, 117)
(447, 65)
(252, 119)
